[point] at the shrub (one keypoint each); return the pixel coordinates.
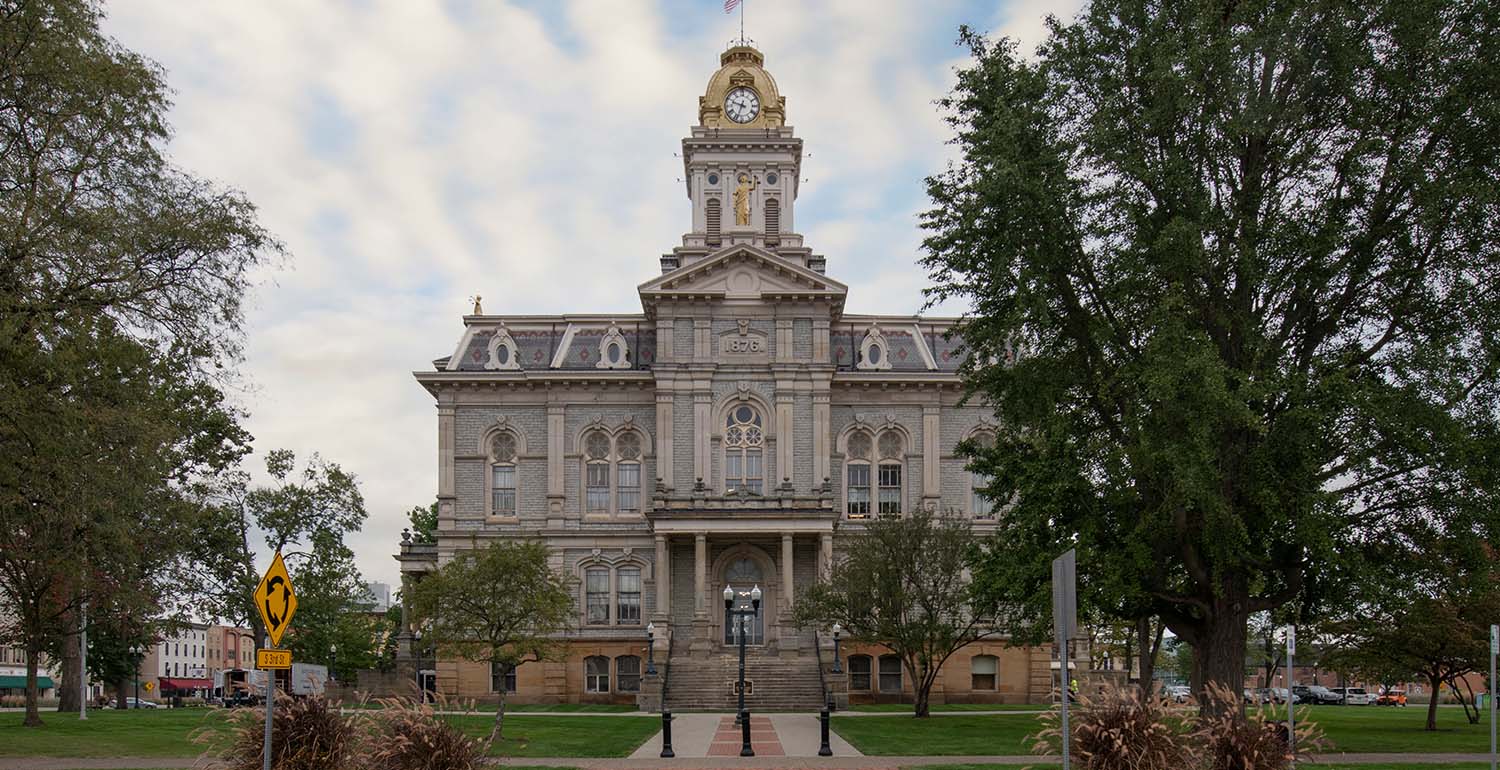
(308, 734)
(1252, 741)
(1118, 729)
(406, 735)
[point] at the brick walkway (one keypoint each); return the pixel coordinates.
(727, 739)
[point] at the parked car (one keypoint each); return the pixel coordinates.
(1250, 697)
(1316, 694)
(1353, 696)
(1177, 694)
(1277, 695)
(133, 703)
(1391, 698)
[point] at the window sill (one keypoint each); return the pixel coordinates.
(492, 519)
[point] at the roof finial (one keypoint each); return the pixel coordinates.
(477, 309)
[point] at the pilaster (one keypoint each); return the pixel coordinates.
(932, 487)
(664, 433)
(556, 494)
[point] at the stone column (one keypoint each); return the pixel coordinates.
(702, 429)
(700, 574)
(556, 494)
(932, 487)
(663, 575)
(825, 554)
(822, 441)
(786, 571)
(784, 444)
(664, 401)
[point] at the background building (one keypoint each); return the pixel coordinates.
(727, 435)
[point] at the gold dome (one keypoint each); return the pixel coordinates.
(742, 66)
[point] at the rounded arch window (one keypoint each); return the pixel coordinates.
(744, 451)
(596, 445)
(503, 447)
(596, 470)
(859, 445)
(628, 471)
(980, 505)
(613, 353)
(889, 473)
(743, 574)
(890, 445)
(857, 474)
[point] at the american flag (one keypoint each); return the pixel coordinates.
(730, 5)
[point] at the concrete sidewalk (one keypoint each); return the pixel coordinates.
(703, 763)
(693, 734)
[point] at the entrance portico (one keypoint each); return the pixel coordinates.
(739, 548)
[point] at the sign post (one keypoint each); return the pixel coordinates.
(1291, 703)
(1064, 625)
(276, 602)
(1494, 650)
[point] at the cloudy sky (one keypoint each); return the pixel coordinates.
(411, 154)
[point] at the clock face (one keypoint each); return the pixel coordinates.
(741, 105)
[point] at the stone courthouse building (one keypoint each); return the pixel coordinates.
(731, 433)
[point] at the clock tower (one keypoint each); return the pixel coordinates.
(742, 167)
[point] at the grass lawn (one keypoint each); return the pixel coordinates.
(168, 733)
(108, 733)
(545, 736)
(1352, 729)
(905, 708)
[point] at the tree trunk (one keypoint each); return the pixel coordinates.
(122, 691)
(68, 675)
(496, 729)
(1432, 702)
(1150, 646)
(1219, 653)
(33, 715)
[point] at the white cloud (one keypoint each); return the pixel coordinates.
(411, 154)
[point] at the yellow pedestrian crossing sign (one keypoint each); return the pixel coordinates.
(275, 600)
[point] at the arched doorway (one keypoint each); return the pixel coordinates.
(744, 573)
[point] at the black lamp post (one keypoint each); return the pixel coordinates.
(838, 668)
(416, 638)
(333, 661)
(741, 617)
(650, 649)
(139, 652)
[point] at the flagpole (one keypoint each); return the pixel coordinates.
(742, 22)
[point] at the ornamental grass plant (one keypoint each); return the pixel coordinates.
(1118, 728)
(1121, 729)
(307, 734)
(404, 734)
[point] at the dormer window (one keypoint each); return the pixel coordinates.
(614, 352)
(874, 353)
(502, 351)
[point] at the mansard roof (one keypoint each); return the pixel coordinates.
(742, 272)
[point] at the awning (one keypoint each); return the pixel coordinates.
(184, 684)
(19, 682)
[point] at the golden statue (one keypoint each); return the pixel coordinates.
(477, 309)
(742, 199)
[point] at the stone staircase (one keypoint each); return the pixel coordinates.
(777, 684)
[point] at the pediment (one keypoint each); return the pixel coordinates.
(742, 272)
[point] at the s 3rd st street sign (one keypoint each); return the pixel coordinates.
(267, 659)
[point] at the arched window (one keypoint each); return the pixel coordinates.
(983, 671)
(891, 463)
(628, 471)
(628, 673)
(859, 672)
(744, 574)
(744, 447)
(503, 474)
(596, 674)
(857, 471)
(890, 673)
(596, 471)
(596, 595)
(711, 212)
(628, 596)
(980, 505)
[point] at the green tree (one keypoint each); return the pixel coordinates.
(304, 513)
(424, 522)
(501, 604)
(1230, 270)
(113, 264)
(330, 593)
(901, 583)
(98, 435)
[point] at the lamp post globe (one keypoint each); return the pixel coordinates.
(837, 666)
(138, 652)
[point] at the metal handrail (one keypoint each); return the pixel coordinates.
(667, 677)
(822, 680)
